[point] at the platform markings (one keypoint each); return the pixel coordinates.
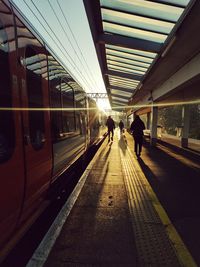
(183, 254)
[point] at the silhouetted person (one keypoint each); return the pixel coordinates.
(111, 126)
(137, 127)
(121, 126)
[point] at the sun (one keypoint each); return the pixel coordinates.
(103, 104)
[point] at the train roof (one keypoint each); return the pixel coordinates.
(34, 31)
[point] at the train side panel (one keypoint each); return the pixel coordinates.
(67, 123)
(96, 123)
(33, 81)
(11, 151)
(36, 144)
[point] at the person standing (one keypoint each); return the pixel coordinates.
(137, 127)
(111, 126)
(121, 126)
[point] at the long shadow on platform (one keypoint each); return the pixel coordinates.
(175, 179)
(122, 143)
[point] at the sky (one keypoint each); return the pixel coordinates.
(64, 26)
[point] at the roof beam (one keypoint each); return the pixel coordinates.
(121, 96)
(136, 14)
(92, 8)
(128, 64)
(120, 101)
(113, 66)
(129, 42)
(169, 4)
(133, 27)
(123, 75)
(123, 86)
(121, 89)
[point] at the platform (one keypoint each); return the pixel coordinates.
(113, 218)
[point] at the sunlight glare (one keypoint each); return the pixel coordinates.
(103, 104)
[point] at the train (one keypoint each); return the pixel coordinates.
(47, 123)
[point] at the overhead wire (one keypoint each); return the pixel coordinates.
(68, 39)
(65, 18)
(60, 43)
(71, 63)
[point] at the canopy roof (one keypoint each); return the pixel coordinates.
(130, 36)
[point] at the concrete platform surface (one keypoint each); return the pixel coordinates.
(116, 220)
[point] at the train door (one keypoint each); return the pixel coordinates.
(36, 121)
(11, 150)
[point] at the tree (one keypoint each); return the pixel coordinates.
(170, 118)
(194, 121)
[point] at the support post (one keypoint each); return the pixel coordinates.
(148, 120)
(154, 119)
(186, 125)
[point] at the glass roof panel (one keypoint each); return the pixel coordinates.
(131, 66)
(134, 33)
(118, 92)
(128, 61)
(125, 80)
(136, 21)
(125, 70)
(120, 86)
(128, 56)
(124, 83)
(123, 86)
(118, 104)
(149, 23)
(121, 78)
(131, 51)
(119, 98)
(145, 8)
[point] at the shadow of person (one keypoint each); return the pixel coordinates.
(125, 140)
(122, 144)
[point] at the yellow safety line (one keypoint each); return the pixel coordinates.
(181, 250)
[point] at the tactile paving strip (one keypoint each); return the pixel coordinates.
(153, 244)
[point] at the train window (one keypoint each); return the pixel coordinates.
(68, 114)
(35, 98)
(56, 115)
(81, 104)
(7, 129)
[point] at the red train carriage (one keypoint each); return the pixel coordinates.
(37, 143)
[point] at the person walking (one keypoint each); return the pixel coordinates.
(111, 126)
(121, 126)
(137, 127)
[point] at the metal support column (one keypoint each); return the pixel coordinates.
(186, 125)
(148, 120)
(154, 119)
